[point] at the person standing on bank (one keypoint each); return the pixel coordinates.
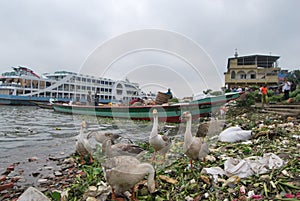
(286, 89)
(96, 98)
(264, 95)
(89, 98)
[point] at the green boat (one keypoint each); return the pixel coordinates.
(166, 113)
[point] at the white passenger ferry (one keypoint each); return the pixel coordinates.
(23, 86)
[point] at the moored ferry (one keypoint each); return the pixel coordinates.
(23, 86)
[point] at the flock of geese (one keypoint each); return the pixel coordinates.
(122, 168)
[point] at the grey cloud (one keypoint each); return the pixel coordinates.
(52, 35)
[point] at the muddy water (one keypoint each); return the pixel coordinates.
(27, 132)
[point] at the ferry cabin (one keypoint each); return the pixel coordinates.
(66, 86)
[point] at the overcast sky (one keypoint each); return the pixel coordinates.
(51, 35)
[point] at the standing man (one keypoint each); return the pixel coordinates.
(264, 95)
(286, 89)
(89, 98)
(169, 93)
(96, 98)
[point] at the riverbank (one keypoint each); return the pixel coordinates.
(271, 133)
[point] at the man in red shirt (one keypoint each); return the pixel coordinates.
(264, 92)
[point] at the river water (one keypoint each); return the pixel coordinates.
(29, 131)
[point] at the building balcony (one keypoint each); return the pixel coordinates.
(265, 79)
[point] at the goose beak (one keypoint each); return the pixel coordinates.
(151, 186)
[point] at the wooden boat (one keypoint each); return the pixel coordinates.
(43, 105)
(167, 113)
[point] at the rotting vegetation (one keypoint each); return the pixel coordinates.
(272, 133)
(176, 181)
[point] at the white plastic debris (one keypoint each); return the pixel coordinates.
(246, 167)
(33, 194)
(234, 134)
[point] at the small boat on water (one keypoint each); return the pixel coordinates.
(167, 113)
(44, 105)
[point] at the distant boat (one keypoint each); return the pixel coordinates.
(23, 86)
(167, 113)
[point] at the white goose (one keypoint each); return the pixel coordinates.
(124, 172)
(194, 147)
(83, 147)
(121, 149)
(160, 143)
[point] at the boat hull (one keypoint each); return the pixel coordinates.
(166, 113)
(23, 100)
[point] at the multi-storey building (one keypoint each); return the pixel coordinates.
(246, 71)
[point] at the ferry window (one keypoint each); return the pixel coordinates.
(119, 92)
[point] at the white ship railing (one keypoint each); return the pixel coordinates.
(57, 84)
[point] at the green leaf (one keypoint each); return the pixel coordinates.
(97, 171)
(56, 196)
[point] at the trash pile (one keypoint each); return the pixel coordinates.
(255, 157)
(261, 162)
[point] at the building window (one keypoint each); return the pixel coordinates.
(233, 75)
(251, 74)
(243, 76)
